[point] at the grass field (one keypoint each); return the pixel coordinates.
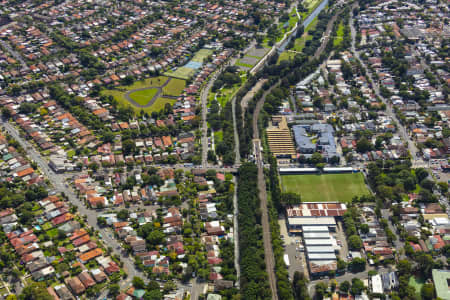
(339, 35)
(241, 64)
(143, 97)
(181, 73)
(159, 104)
(417, 283)
(201, 55)
(174, 87)
(326, 187)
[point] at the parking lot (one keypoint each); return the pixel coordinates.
(292, 246)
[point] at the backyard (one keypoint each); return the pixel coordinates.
(325, 187)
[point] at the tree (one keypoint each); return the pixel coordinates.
(443, 187)
(427, 291)
(426, 196)
(344, 287)
(138, 283)
(128, 146)
(421, 174)
(290, 198)
(6, 112)
(357, 264)
(156, 237)
(153, 295)
(364, 228)
(300, 286)
(11, 297)
(354, 242)
(363, 145)
(212, 156)
(357, 286)
(101, 221)
(321, 289)
(404, 267)
(316, 158)
(35, 291)
(341, 264)
(123, 214)
(107, 136)
(427, 184)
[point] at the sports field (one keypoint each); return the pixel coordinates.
(143, 97)
(325, 187)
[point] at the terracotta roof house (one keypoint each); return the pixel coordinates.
(76, 286)
(85, 257)
(86, 279)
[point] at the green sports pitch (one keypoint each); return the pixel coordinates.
(325, 187)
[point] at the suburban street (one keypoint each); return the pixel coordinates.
(58, 181)
(413, 150)
(91, 215)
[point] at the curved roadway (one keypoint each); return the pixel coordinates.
(155, 97)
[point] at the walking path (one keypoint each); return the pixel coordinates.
(155, 97)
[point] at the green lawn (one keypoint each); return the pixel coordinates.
(70, 153)
(201, 55)
(52, 232)
(181, 73)
(174, 87)
(47, 226)
(417, 283)
(339, 35)
(159, 104)
(143, 97)
(241, 64)
(119, 92)
(218, 136)
(326, 187)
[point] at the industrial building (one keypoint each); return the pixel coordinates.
(315, 222)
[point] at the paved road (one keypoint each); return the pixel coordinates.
(13, 52)
(397, 243)
(91, 216)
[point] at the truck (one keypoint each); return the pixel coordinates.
(286, 260)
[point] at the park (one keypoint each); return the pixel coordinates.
(149, 95)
